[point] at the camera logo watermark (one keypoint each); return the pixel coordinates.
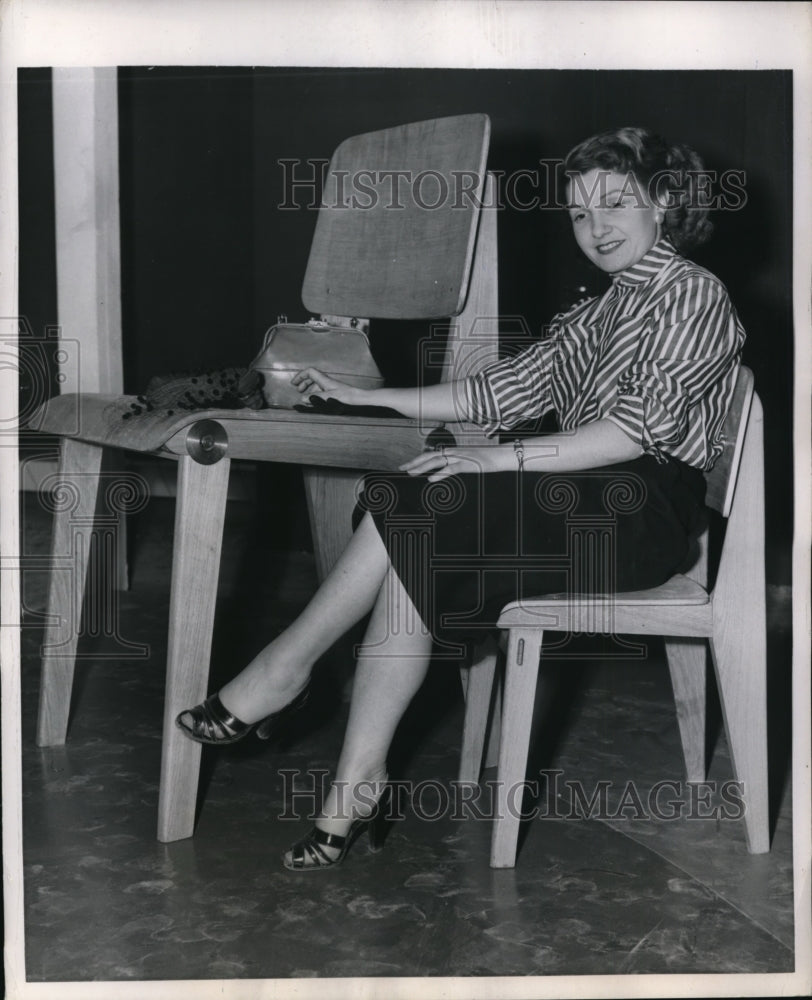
(87, 503)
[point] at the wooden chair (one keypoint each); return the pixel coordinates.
(432, 258)
(731, 616)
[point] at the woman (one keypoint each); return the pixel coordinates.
(640, 378)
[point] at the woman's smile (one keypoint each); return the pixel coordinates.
(607, 248)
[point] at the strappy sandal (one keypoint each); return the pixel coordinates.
(308, 854)
(212, 723)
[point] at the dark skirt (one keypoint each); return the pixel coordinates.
(468, 545)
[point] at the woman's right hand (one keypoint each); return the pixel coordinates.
(312, 382)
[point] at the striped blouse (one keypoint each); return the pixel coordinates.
(657, 354)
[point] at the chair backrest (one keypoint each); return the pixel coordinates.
(721, 480)
(397, 227)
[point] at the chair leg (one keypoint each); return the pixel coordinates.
(521, 674)
(687, 659)
(740, 661)
(79, 467)
(495, 727)
(199, 516)
(478, 689)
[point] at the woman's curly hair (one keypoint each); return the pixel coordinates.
(672, 172)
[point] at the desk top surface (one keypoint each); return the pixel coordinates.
(280, 435)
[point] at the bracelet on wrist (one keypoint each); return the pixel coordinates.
(518, 448)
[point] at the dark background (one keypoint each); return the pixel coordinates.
(209, 260)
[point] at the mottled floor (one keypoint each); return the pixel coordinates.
(629, 894)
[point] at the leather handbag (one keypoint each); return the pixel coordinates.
(342, 352)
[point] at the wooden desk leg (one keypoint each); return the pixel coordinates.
(199, 516)
(330, 502)
(75, 503)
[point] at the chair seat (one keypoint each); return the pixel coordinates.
(628, 611)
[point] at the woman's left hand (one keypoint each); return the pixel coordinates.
(445, 462)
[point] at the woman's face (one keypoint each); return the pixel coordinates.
(614, 220)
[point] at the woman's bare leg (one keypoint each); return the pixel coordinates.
(392, 664)
(276, 675)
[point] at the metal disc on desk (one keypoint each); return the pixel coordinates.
(206, 441)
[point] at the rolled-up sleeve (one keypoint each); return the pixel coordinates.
(511, 391)
(693, 340)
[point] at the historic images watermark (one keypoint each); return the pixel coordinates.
(549, 796)
(309, 184)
